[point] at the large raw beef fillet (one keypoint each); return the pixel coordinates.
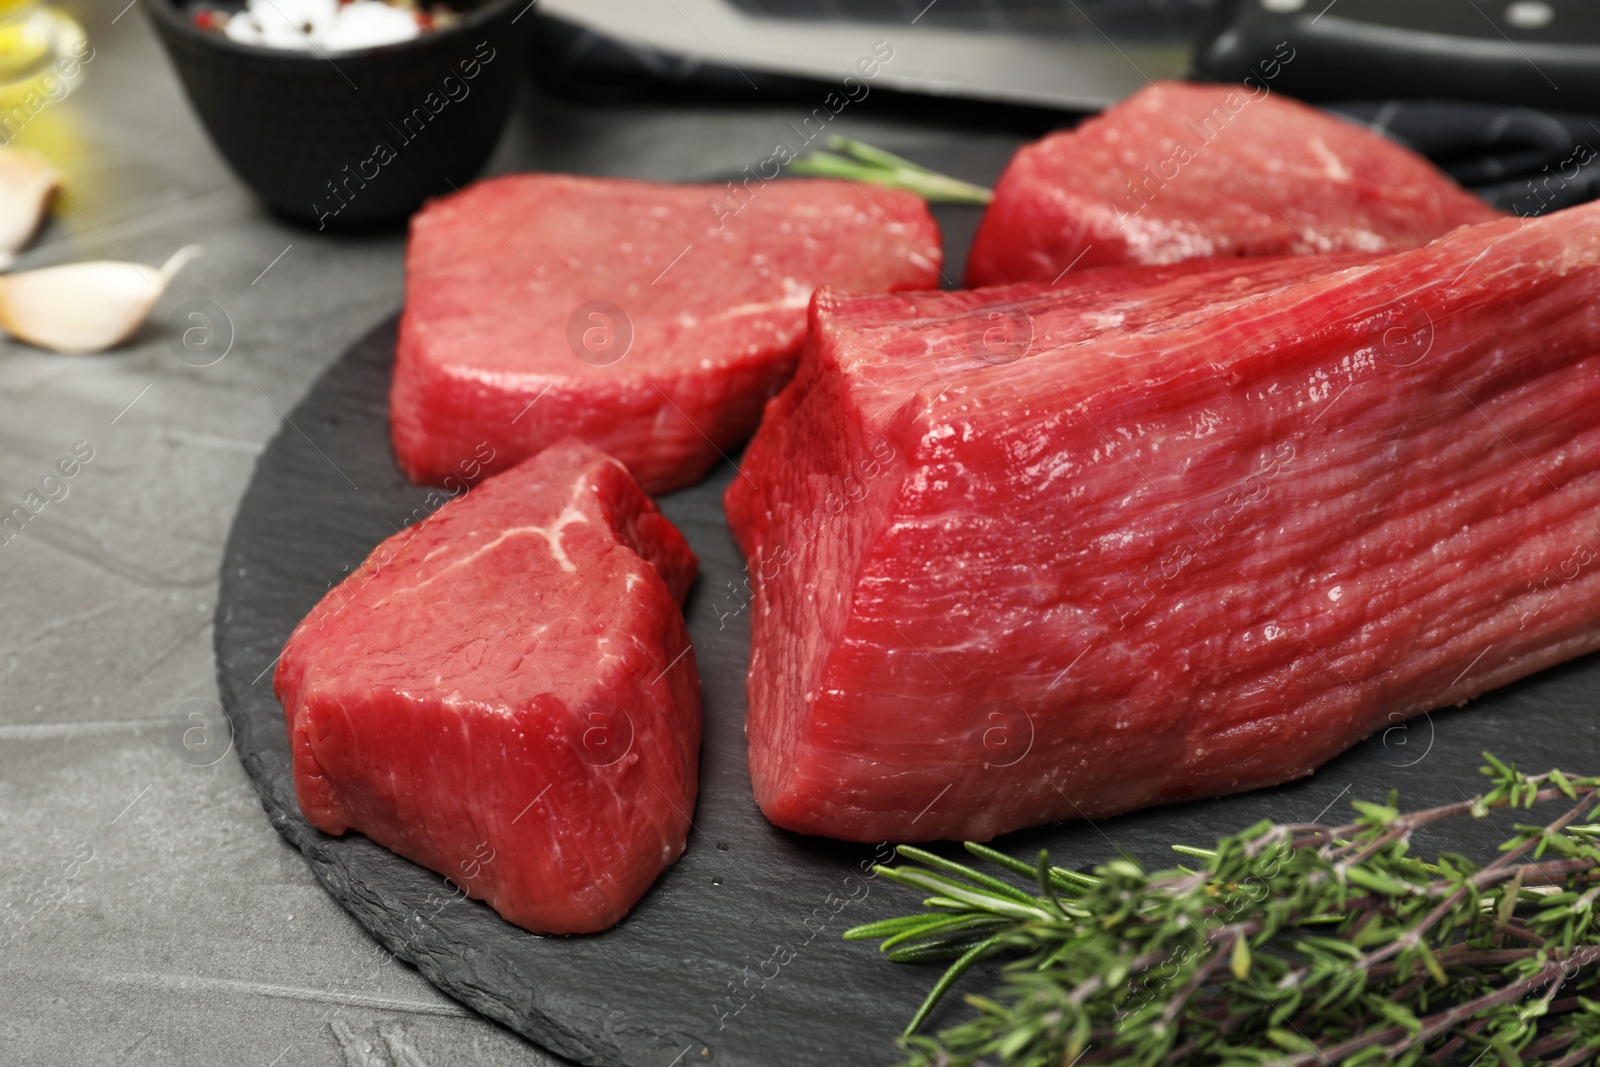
(505, 693)
(652, 321)
(1181, 171)
(1032, 553)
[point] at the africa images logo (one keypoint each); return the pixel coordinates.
(409, 127)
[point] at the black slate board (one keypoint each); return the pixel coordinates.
(734, 958)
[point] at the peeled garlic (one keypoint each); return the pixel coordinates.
(26, 185)
(84, 307)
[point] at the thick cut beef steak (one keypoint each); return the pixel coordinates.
(652, 321)
(505, 693)
(1031, 553)
(1192, 171)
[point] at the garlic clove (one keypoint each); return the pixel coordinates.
(84, 307)
(26, 184)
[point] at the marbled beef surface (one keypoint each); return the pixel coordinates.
(505, 693)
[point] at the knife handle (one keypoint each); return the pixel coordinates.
(1536, 53)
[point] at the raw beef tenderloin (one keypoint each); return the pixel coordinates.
(652, 321)
(505, 693)
(1181, 171)
(1033, 553)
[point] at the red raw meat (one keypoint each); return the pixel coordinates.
(1182, 171)
(505, 693)
(687, 310)
(1196, 536)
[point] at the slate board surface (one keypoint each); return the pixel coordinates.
(734, 957)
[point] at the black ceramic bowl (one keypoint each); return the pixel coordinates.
(360, 138)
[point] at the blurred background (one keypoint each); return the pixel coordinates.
(148, 911)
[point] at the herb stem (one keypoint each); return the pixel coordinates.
(858, 161)
(1290, 945)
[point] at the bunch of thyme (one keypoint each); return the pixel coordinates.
(1289, 945)
(859, 161)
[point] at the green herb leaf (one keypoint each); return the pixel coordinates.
(1286, 946)
(1239, 962)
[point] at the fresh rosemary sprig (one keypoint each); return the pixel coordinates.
(1289, 945)
(859, 161)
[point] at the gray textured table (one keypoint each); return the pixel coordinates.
(148, 912)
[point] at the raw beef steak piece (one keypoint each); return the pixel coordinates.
(1186, 171)
(652, 321)
(1031, 553)
(505, 693)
